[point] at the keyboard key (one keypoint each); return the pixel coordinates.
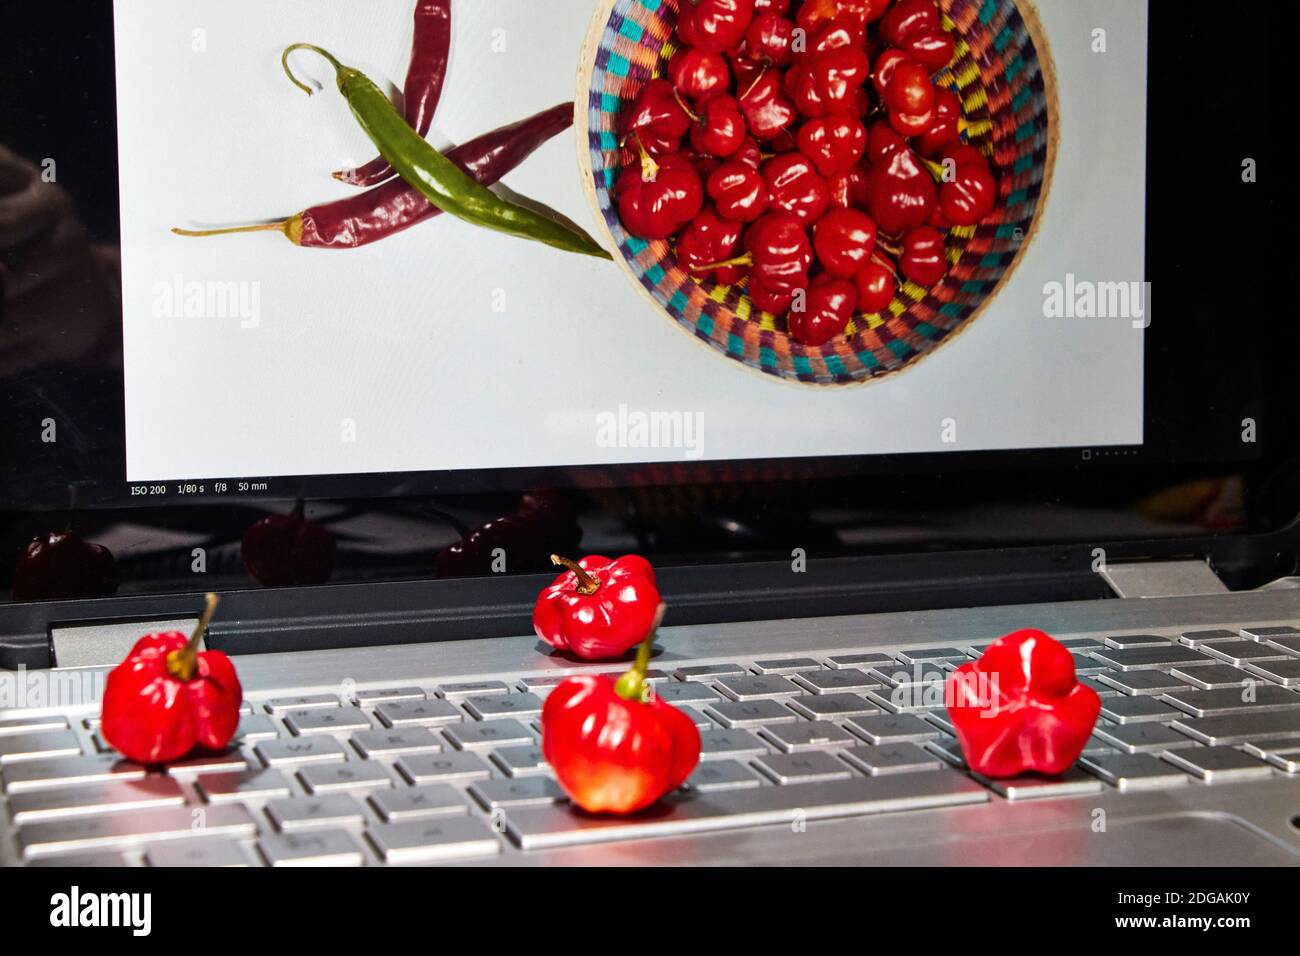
(1219, 764)
(337, 777)
(891, 758)
(1286, 673)
(255, 727)
(332, 721)
(206, 853)
(701, 722)
(858, 660)
(909, 677)
(940, 719)
(486, 734)
(1081, 645)
(931, 655)
(519, 792)
(1133, 771)
(423, 841)
(379, 695)
(542, 684)
(1101, 690)
(67, 772)
(94, 798)
(113, 830)
(756, 687)
(1123, 641)
(707, 671)
(1268, 632)
(412, 713)
(833, 705)
(715, 744)
(787, 665)
(305, 813)
(475, 688)
(1240, 727)
(848, 680)
(242, 785)
(1283, 753)
(754, 713)
(1151, 658)
(1136, 710)
(390, 743)
(902, 700)
(1142, 738)
(280, 705)
(812, 767)
(442, 768)
(807, 735)
(299, 750)
(31, 725)
(544, 827)
(652, 676)
(202, 762)
(1213, 676)
(948, 750)
(892, 729)
(315, 848)
(520, 761)
(687, 692)
(1141, 683)
(1288, 643)
(1215, 703)
(503, 705)
(1215, 636)
(418, 803)
(45, 745)
(1074, 782)
(1087, 666)
(1241, 652)
(721, 775)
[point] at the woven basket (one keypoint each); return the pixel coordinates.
(1003, 74)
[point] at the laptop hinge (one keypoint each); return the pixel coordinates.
(105, 644)
(1158, 579)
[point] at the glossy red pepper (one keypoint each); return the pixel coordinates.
(883, 141)
(542, 520)
(815, 13)
(831, 82)
(62, 565)
(714, 25)
(614, 747)
(884, 67)
(772, 6)
(910, 99)
(902, 193)
(697, 73)
(738, 191)
(828, 307)
(924, 257)
(288, 550)
(876, 285)
(849, 189)
(907, 17)
(945, 130)
(1020, 708)
(970, 193)
(769, 40)
(835, 144)
(657, 119)
(750, 153)
(844, 240)
(768, 111)
(598, 609)
(168, 697)
(796, 187)
(769, 300)
(781, 252)
(932, 49)
(710, 239)
(719, 128)
(833, 34)
(657, 197)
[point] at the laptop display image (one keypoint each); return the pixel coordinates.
(616, 432)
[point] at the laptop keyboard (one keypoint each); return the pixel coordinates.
(422, 774)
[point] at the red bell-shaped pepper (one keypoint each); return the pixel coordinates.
(168, 697)
(598, 608)
(657, 197)
(1020, 708)
(612, 749)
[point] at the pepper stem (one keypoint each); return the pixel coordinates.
(649, 168)
(339, 68)
(632, 684)
(183, 663)
(587, 584)
(281, 226)
(746, 260)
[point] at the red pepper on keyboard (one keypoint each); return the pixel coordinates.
(1020, 708)
(598, 608)
(168, 697)
(612, 749)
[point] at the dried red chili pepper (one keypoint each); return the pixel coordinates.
(168, 697)
(430, 50)
(385, 210)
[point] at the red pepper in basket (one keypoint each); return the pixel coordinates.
(657, 197)
(708, 240)
(657, 119)
(739, 191)
(719, 129)
(1020, 708)
(598, 608)
(714, 25)
(612, 750)
(168, 697)
(697, 73)
(835, 144)
(827, 310)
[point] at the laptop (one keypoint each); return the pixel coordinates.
(371, 452)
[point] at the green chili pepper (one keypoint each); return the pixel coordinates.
(440, 180)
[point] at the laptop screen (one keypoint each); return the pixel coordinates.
(156, 350)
